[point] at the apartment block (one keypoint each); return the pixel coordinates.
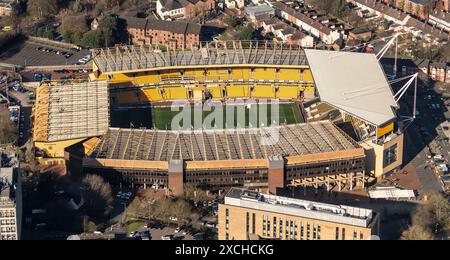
(10, 204)
(250, 215)
(183, 9)
(176, 34)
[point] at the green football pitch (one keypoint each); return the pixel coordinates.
(161, 117)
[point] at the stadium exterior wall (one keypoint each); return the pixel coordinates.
(256, 173)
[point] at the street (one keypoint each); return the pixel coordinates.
(421, 132)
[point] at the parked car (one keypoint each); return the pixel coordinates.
(167, 237)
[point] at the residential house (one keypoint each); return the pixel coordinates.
(443, 5)
(423, 65)
(235, 4)
(327, 34)
(364, 34)
(183, 9)
(95, 23)
(438, 71)
(424, 30)
(379, 10)
(6, 7)
(440, 19)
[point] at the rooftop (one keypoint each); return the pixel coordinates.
(439, 14)
(289, 7)
(156, 145)
(354, 83)
(169, 5)
(301, 208)
(7, 180)
(70, 110)
(382, 8)
(427, 29)
(258, 10)
(160, 25)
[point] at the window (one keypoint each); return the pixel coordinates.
(318, 232)
(337, 233)
(314, 232)
(308, 231)
(227, 225)
(274, 234)
(248, 223)
(280, 228)
(343, 233)
(264, 225)
(390, 155)
(253, 223)
(302, 231)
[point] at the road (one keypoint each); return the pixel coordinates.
(25, 117)
(420, 133)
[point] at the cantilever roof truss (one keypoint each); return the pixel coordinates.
(71, 110)
(132, 58)
(155, 145)
(354, 83)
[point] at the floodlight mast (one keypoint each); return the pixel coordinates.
(383, 51)
(402, 91)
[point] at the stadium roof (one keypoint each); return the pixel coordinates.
(71, 110)
(354, 83)
(155, 145)
(140, 58)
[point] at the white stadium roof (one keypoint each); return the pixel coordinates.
(354, 83)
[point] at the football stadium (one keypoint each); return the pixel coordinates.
(333, 115)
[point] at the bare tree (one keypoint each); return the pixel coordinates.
(42, 8)
(417, 232)
(321, 4)
(98, 198)
(8, 131)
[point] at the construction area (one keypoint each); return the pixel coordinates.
(224, 158)
(344, 129)
(212, 145)
(136, 58)
(68, 112)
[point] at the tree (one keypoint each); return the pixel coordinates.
(92, 39)
(77, 6)
(338, 8)
(233, 21)
(181, 209)
(429, 219)
(8, 131)
(108, 27)
(247, 33)
(417, 232)
(439, 209)
(98, 198)
(42, 8)
(73, 27)
(325, 5)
